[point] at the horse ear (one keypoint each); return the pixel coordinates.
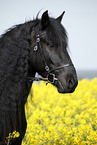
(60, 17)
(44, 20)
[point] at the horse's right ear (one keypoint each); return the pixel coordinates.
(60, 17)
(44, 20)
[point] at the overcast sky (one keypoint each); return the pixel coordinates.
(80, 21)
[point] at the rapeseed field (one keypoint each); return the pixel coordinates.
(62, 119)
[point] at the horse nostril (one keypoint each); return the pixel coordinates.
(70, 82)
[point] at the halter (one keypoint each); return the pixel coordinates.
(50, 75)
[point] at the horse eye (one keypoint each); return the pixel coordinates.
(51, 44)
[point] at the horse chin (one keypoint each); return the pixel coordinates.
(64, 91)
(61, 91)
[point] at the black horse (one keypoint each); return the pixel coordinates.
(35, 46)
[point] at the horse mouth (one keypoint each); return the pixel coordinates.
(64, 89)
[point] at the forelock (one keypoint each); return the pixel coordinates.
(57, 33)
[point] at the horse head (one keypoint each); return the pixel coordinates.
(49, 55)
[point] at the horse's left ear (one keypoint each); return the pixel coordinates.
(44, 20)
(60, 17)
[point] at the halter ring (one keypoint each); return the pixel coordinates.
(51, 78)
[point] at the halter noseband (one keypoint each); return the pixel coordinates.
(50, 76)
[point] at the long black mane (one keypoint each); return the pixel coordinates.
(14, 83)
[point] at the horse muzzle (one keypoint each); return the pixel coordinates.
(66, 83)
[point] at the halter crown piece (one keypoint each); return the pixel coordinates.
(50, 76)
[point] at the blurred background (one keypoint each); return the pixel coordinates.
(80, 21)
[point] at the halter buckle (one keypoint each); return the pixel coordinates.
(38, 40)
(36, 48)
(47, 68)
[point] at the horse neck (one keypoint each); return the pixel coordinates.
(15, 68)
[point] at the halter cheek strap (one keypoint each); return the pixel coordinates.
(50, 76)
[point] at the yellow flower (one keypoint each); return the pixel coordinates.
(11, 136)
(62, 119)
